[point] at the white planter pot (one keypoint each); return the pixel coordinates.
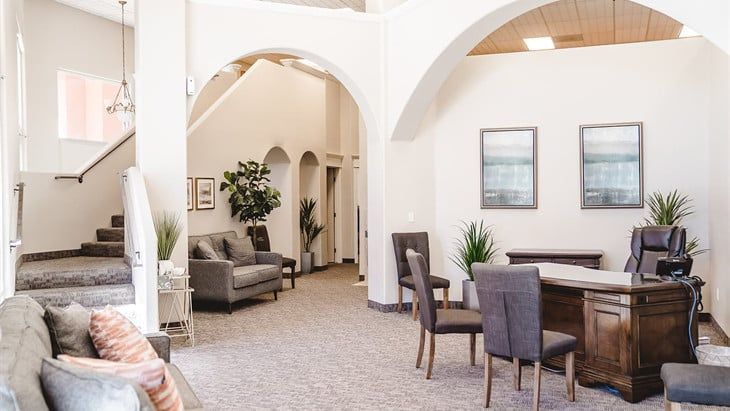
(165, 267)
(469, 298)
(307, 259)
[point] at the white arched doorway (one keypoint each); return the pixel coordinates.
(280, 223)
(310, 187)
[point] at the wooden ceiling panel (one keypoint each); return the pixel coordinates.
(531, 24)
(507, 38)
(662, 27)
(632, 21)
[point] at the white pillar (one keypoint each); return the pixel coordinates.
(160, 71)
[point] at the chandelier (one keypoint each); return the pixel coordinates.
(123, 105)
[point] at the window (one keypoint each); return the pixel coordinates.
(82, 102)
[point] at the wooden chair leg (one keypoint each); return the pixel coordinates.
(431, 354)
(421, 342)
(536, 387)
(276, 295)
(516, 373)
(487, 379)
(415, 305)
(446, 300)
(473, 349)
(669, 405)
(570, 375)
(400, 299)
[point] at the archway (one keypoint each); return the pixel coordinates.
(310, 178)
(280, 223)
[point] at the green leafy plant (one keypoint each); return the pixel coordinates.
(671, 209)
(308, 225)
(476, 245)
(167, 228)
(251, 198)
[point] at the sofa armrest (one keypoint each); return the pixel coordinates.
(211, 279)
(160, 341)
(266, 257)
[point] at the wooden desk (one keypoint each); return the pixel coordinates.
(583, 258)
(627, 325)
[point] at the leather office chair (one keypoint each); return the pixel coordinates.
(261, 243)
(418, 242)
(652, 242)
(511, 304)
(436, 321)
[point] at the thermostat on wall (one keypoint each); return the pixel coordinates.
(190, 86)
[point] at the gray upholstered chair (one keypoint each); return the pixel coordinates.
(437, 321)
(417, 242)
(697, 384)
(511, 304)
(652, 242)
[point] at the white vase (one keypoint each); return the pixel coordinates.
(469, 298)
(165, 267)
(307, 258)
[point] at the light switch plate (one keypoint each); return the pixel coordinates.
(411, 216)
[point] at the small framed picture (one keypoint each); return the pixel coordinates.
(204, 193)
(611, 166)
(508, 167)
(191, 194)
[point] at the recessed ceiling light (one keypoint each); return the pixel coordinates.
(687, 32)
(539, 43)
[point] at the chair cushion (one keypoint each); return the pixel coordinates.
(69, 329)
(458, 322)
(204, 251)
(248, 275)
(436, 282)
(240, 251)
(555, 343)
(699, 384)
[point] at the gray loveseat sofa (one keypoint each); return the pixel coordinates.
(219, 281)
(26, 341)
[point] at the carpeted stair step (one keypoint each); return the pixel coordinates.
(103, 249)
(94, 296)
(110, 234)
(118, 221)
(73, 272)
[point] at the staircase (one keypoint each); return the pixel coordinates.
(94, 278)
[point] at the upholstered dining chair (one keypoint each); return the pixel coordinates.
(511, 304)
(650, 243)
(437, 321)
(417, 242)
(263, 244)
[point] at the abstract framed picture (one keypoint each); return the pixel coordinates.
(508, 167)
(204, 193)
(611, 166)
(190, 194)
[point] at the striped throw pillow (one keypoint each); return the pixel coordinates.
(117, 339)
(148, 374)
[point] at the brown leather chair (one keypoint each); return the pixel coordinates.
(417, 242)
(511, 304)
(652, 242)
(437, 321)
(262, 243)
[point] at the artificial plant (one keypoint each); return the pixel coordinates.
(476, 245)
(308, 225)
(671, 209)
(167, 228)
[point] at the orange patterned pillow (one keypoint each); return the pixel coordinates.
(148, 374)
(117, 339)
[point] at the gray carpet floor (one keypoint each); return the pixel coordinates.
(320, 347)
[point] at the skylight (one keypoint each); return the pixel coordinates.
(539, 43)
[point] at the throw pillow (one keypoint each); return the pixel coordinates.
(205, 252)
(69, 329)
(72, 388)
(240, 251)
(148, 374)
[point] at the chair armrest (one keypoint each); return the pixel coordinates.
(160, 341)
(266, 257)
(211, 279)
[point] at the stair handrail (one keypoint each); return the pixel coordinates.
(99, 158)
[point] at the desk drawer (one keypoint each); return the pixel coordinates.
(529, 260)
(583, 262)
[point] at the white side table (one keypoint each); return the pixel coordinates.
(180, 309)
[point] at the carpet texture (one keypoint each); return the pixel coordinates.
(320, 347)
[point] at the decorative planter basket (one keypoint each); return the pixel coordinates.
(713, 355)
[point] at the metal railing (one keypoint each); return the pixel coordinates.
(104, 154)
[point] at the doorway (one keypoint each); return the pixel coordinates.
(333, 225)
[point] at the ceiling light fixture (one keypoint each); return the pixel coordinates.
(123, 105)
(687, 32)
(539, 43)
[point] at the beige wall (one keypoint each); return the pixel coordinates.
(58, 36)
(212, 91)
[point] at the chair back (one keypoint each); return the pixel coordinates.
(424, 289)
(650, 243)
(511, 305)
(261, 239)
(417, 242)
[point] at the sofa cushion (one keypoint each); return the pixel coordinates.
(219, 245)
(25, 342)
(69, 329)
(73, 388)
(189, 399)
(246, 276)
(240, 251)
(148, 374)
(193, 241)
(204, 251)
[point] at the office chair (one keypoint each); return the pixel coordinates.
(652, 242)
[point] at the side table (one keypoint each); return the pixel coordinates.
(180, 309)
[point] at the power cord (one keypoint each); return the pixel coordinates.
(689, 283)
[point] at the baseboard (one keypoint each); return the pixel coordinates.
(707, 317)
(391, 308)
(320, 268)
(348, 261)
(50, 255)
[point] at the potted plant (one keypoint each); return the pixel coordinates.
(251, 198)
(476, 245)
(671, 209)
(167, 228)
(309, 229)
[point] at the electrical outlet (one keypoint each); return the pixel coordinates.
(411, 216)
(717, 294)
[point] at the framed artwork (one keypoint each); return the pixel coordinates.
(508, 167)
(611, 166)
(190, 194)
(204, 193)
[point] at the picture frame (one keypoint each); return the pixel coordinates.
(612, 165)
(204, 193)
(191, 194)
(508, 167)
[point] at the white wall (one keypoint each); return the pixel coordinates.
(212, 91)
(58, 36)
(658, 83)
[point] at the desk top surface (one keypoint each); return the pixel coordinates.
(600, 280)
